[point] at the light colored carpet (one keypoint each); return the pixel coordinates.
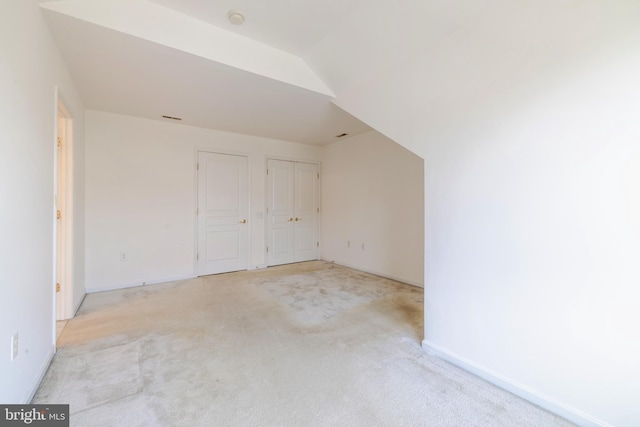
(310, 344)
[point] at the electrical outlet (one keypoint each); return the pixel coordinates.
(14, 346)
(124, 256)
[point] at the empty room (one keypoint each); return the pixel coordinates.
(320, 213)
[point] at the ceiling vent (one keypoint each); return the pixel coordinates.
(172, 118)
(342, 135)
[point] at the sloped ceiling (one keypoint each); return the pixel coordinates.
(140, 58)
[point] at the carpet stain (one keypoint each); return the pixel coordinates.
(310, 344)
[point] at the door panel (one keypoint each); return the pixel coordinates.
(222, 246)
(223, 203)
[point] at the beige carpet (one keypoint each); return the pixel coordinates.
(311, 344)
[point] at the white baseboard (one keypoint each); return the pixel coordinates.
(136, 284)
(552, 405)
(40, 377)
(377, 273)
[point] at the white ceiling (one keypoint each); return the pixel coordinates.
(294, 26)
(118, 69)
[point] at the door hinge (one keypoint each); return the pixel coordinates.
(197, 257)
(59, 142)
(267, 249)
(197, 166)
(267, 210)
(197, 211)
(317, 244)
(267, 171)
(57, 287)
(318, 210)
(318, 175)
(58, 214)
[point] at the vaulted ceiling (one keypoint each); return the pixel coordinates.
(183, 58)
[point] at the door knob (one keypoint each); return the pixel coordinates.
(298, 219)
(290, 219)
(243, 221)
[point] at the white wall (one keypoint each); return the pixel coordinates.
(373, 194)
(526, 114)
(141, 196)
(30, 69)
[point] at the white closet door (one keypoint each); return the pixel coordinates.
(223, 209)
(280, 209)
(306, 212)
(292, 212)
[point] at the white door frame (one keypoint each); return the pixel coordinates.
(266, 202)
(196, 231)
(63, 261)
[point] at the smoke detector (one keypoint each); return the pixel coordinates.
(235, 17)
